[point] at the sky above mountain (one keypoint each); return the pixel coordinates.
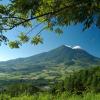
(88, 40)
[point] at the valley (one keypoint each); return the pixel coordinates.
(53, 65)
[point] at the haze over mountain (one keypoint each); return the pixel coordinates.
(68, 57)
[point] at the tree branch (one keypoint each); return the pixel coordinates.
(34, 28)
(45, 14)
(27, 20)
(7, 17)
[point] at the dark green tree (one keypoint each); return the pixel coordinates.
(84, 80)
(52, 13)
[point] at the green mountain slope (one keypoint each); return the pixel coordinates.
(51, 63)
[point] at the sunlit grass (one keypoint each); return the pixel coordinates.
(47, 96)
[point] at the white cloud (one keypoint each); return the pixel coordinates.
(68, 46)
(76, 47)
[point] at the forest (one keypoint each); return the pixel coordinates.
(80, 85)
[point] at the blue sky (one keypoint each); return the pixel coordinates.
(73, 35)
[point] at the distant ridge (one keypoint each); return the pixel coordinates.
(67, 56)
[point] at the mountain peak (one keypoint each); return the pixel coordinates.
(76, 47)
(68, 46)
(64, 55)
(73, 47)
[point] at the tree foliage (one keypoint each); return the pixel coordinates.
(23, 38)
(54, 13)
(79, 82)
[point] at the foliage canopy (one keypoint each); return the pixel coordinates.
(54, 13)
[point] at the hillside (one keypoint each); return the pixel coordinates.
(52, 64)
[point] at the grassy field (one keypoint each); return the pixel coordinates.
(81, 85)
(47, 96)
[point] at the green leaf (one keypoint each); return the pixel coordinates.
(14, 44)
(23, 38)
(36, 40)
(58, 31)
